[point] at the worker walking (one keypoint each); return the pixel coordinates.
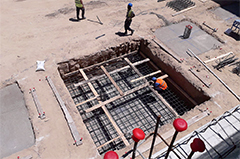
(128, 21)
(80, 6)
(159, 84)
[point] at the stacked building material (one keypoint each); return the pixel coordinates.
(179, 5)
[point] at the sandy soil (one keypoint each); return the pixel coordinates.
(41, 30)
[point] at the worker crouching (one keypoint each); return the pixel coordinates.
(159, 84)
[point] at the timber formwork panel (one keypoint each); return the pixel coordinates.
(139, 108)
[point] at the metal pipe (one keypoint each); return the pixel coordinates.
(214, 75)
(171, 144)
(154, 136)
(134, 150)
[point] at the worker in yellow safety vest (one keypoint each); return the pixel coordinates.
(128, 21)
(80, 6)
(159, 84)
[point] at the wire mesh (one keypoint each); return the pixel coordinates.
(138, 109)
(221, 136)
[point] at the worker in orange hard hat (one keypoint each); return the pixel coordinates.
(159, 84)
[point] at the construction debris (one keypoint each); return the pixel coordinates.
(226, 61)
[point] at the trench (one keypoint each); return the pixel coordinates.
(138, 105)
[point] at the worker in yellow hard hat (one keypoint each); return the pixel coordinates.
(128, 21)
(80, 6)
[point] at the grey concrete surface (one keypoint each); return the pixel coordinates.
(199, 41)
(228, 13)
(16, 131)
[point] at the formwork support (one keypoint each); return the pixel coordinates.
(111, 79)
(115, 98)
(120, 133)
(151, 74)
(71, 123)
(101, 63)
(114, 71)
(155, 92)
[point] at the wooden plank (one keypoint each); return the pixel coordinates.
(153, 73)
(215, 58)
(37, 103)
(101, 63)
(114, 71)
(89, 84)
(106, 143)
(105, 110)
(115, 98)
(184, 10)
(115, 126)
(154, 91)
(88, 100)
(71, 124)
(111, 79)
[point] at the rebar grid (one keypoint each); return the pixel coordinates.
(221, 136)
(179, 5)
(138, 109)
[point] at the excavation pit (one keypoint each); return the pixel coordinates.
(113, 98)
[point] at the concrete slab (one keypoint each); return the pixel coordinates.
(16, 131)
(228, 13)
(199, 41)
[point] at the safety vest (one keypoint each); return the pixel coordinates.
(129, 14)
(78, 4)
(163, 84)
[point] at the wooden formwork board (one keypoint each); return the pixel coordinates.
(111, 79)
(115, 98)
(114, 71)
(71, 124)
(101, 63)
(120, 133)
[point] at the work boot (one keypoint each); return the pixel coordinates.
(132, 31)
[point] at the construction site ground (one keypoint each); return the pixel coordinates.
(42, 30)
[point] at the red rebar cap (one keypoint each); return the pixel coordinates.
(197, 145)
(111, 155)
(138, 134)
(180, 124)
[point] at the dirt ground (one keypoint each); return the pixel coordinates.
(41, 30)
